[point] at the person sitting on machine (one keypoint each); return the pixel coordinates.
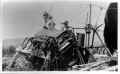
(49, 27)
(66, 26)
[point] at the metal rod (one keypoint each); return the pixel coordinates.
(99, 26)
(93, 38)
(88, 39)
(79, 28)
(103, 43)
(80, 57)
(89, 24)
(90, 13)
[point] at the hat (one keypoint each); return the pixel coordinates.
(46, 14)
(65, 22)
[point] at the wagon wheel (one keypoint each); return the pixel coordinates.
(20, 63)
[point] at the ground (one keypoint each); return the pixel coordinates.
(103, 62)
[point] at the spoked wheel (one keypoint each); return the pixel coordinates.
(20, 63)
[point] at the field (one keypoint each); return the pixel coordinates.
(103, 62)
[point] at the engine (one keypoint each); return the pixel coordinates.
(50, 53)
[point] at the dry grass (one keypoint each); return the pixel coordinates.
(8, 51)
(7, 54)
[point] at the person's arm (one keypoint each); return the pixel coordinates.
(38, 33)
(19, 49)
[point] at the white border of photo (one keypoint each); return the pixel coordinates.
(58, 72)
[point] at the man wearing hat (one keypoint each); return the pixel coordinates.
(49, 27)
(65, 25)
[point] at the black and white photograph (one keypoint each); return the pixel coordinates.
(59, 35)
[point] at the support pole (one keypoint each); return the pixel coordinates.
(102, 43)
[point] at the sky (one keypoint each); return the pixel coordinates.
(24, 19)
